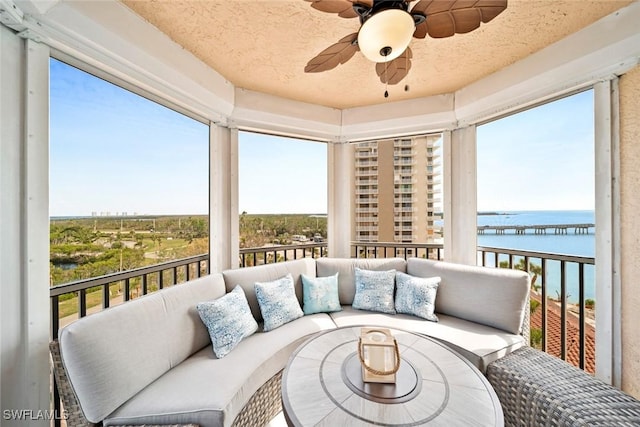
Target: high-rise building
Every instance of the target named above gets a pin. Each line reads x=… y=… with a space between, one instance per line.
x=397 y=190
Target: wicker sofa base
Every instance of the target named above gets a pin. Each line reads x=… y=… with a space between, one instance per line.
x=263 y=406
x=537 y=389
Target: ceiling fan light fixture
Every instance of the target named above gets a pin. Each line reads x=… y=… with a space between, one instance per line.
x=386 y=34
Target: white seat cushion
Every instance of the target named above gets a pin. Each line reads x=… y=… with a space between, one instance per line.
x=211 y=392
x=479 y=344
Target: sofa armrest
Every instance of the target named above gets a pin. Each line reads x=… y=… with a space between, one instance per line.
x=72 y=409
x=536 y=388
x=525 y=331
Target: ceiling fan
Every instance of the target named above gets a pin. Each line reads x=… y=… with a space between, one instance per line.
x=388 y=26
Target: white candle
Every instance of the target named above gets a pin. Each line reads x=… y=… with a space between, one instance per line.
x=376 y=353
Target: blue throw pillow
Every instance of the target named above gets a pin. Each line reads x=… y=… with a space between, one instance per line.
x=228 y=320
x=278 y=302
x=417 y=295
x=320 y=294
x=374 y=290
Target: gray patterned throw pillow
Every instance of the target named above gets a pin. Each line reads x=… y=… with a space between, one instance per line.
x=416 y=295
x=278 y=302
x=228 y=319
x=374 y=290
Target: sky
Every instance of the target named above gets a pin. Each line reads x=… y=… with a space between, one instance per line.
x=539 y=159
x=114 y=151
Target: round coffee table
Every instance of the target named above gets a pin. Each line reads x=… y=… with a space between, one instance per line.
x=322 y=385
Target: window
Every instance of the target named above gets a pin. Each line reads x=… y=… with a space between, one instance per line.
x=128 y=182
x=282 y=191
x=536 y=193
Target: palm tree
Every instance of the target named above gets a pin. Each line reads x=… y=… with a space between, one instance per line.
x=534 y=270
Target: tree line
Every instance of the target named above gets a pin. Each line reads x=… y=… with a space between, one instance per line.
x=82 y=248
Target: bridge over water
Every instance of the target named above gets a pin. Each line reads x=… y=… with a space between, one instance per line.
x=537 y=228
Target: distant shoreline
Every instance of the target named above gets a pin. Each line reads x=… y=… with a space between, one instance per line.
x=319 y=215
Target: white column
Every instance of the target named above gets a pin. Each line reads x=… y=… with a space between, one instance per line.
x=24 y=227
x=340 y=182
x=460 y=195
x=607 y=213
x=223 y=198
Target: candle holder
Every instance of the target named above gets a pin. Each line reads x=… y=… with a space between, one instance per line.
x=379 y=355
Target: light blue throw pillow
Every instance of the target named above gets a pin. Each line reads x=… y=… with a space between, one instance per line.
x=228 y=319
x=320 y=294
x=278 y=302
x=416 y=295
x=374 y=290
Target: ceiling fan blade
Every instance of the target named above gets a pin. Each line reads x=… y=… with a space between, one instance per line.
x=393 y=72
x=344 y=8
x=421 y=30
x=334 y=55
x=446 y=18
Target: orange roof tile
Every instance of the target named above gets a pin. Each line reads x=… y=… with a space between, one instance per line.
x=573 y=334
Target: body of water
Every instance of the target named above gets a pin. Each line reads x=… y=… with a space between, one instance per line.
x=565 y=244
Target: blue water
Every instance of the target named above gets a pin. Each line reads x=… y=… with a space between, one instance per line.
x=566 y=244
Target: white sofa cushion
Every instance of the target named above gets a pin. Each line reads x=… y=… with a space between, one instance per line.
x=479 y=344
x=112 y=355
x=491 y=296
x=247 y=277
x=211 y=392
x=346 y=269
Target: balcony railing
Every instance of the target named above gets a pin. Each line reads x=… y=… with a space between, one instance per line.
x=405 y=190
x=391 y=250
x=76 y=299
x=366 y=228
x=404 y=143
x=399 y=228
x=366 y=163
x=366 y=154
x=360 y=191
x=561 y=327
x=367 y=210
x=405 y=180
x=366 y=171
x=404 y=209
x=271 y=254
x=82 y=297
x=367 y=181
x=404 y=162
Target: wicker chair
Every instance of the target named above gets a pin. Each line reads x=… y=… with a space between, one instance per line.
x=263 y=406
x=537 y=389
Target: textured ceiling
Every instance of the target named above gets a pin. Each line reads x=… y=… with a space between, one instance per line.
x=264 y=45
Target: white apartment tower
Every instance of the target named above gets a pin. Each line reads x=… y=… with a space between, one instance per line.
x=397 y=190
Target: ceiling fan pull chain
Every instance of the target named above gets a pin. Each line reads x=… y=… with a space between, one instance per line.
x=386 y=81
x=406 y=67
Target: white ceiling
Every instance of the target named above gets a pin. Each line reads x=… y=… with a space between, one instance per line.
x=264 y=45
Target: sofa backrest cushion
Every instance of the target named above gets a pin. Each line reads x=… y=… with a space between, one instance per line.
x=346 y=269
x=247 y=277
x=491 y=296
x=110 y=356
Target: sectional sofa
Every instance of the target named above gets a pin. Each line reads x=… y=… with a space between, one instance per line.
x=150 y=361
